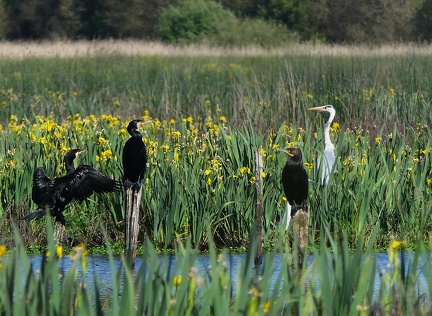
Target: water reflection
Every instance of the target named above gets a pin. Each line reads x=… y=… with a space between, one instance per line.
x=99 y=267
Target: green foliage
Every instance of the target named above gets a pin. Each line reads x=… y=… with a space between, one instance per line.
x=209 y=114
x=92 y=19
x=423 y=21
x=202 y=174
x=205 y=21
x=370 y=21
x=134 y=18
x=334 y=281
x=193 y=21
x=71 y=20
x=292 y=13
x=3 y=20
x=259 y=32
x=369 y=92
x=31 y=19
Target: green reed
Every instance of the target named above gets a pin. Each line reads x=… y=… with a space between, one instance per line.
x=337 y=280
x=203 y=173
x=368 y=91
x=201 y=165
x=199 y=189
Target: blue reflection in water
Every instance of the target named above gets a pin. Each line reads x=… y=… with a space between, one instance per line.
x=99 y=267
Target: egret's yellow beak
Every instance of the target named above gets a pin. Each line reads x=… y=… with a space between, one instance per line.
x=317 y=108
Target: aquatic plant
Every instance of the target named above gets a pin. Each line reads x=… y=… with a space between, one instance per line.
x=333 y=280
x=202 y=172
x=209 y=113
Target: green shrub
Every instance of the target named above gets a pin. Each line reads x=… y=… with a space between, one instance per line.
x=3 y=20
x=423 y=20
x=192 y=21
x=197 y=21
x=259 y=32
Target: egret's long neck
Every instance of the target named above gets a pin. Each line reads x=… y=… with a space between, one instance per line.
x=327 y=139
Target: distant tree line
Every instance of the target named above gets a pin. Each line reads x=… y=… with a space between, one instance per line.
x=222 y=22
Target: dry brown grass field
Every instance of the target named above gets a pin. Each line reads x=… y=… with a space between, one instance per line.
x=134 y=47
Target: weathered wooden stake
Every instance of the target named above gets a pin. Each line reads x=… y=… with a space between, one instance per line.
x=133 y=202
x=59 y=233
x=300 y=232
x=259 y=205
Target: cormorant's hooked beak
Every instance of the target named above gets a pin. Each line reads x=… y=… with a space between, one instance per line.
x=318 y=108
x=141 y=122
x=286 y=151
x=80 y=152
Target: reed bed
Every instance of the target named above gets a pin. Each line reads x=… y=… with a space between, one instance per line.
x=209 y=114
x=332 y=282
x=202 y=173
x=370 y=92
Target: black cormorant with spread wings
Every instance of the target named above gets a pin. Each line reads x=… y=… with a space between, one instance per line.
x=295 y=181
x=78 y=184
x=134 y=157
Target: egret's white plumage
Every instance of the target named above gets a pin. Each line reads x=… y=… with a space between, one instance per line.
x=326 y=161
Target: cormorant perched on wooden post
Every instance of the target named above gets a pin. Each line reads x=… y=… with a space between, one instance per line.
x=76 y=186
x=134 y=157
x=134 y=164
x=295 y=183
x=295 y=180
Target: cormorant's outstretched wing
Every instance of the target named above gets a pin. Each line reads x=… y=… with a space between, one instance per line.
x=41 y=186
x=41 y=191
x=87 y=180
x=39 y=213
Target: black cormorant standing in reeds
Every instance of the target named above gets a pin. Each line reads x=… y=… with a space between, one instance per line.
x=76 y=186
x=295 y=180
x=134 y=157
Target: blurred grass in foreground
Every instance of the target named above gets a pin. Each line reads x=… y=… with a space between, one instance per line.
x=336 y=281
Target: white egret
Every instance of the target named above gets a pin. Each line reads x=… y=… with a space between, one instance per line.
x=328 y=158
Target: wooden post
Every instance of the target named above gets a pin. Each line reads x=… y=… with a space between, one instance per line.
x=59 y=233
x=300 y=223
x=133 y=202
x=259 y=205
x=300 y=231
